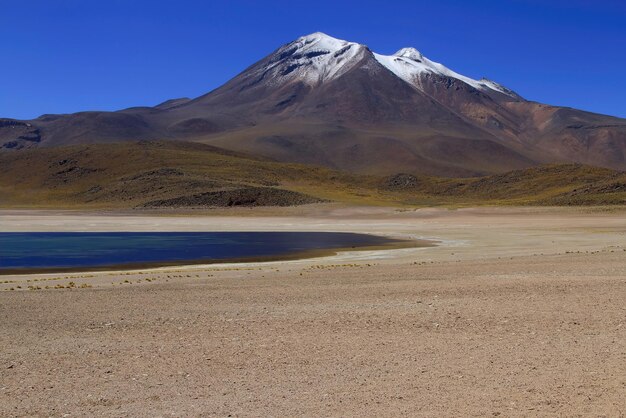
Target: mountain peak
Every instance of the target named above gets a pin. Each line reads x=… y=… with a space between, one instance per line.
x=410 y=53
x=329 y=57
x=410 y=65
x=318 y=58
x=320 y=36
x=320 y=41
x=311 y=59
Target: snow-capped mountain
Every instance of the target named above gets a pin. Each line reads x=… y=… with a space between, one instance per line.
x=313 y=59
x=410 y=65
x=319 y=58
x=326 y=101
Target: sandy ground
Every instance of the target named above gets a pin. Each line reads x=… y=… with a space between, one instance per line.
x=517 y=312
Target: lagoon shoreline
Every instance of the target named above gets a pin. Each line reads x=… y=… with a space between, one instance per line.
x=516 y=311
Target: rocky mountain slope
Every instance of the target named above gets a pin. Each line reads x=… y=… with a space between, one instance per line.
x=324 y=101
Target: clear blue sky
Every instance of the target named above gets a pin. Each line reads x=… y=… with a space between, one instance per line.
x=64 y=56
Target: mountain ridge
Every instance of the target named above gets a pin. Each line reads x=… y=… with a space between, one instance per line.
x=321 y=100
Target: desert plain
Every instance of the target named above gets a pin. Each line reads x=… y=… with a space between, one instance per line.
x=514 y=312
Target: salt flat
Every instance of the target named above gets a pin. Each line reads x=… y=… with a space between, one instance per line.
x=516 y=311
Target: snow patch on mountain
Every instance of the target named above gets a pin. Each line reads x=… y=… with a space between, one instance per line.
x=318 y=58
x=409 y=64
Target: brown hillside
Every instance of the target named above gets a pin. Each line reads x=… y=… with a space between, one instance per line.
x=185 y=174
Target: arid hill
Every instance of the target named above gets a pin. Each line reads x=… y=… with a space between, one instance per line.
x=149 y=174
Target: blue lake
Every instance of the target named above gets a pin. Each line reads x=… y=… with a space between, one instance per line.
x=64 y=251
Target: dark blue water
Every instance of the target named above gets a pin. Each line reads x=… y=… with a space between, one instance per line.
x=76 y=250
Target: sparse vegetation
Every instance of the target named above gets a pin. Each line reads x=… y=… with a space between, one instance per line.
x=165 y=174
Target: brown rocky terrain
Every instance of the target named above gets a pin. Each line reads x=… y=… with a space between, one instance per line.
x=160 y=174
x=248 y=196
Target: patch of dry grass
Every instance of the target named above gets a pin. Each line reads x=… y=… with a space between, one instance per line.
x=128 y=175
